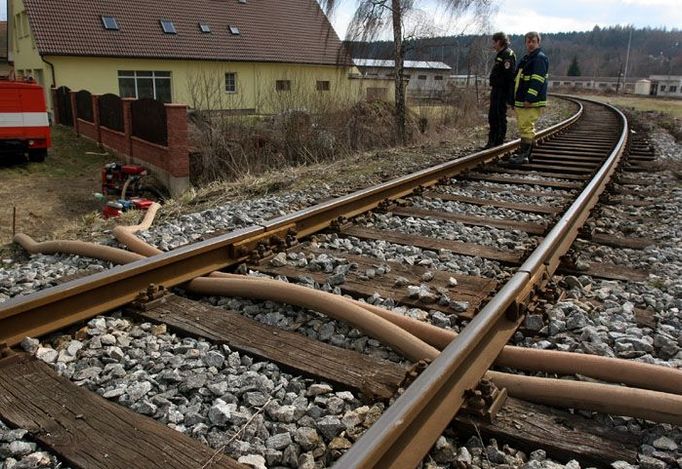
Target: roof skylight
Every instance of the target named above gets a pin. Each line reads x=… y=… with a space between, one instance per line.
x=110 y=23
x=168 y=27
x=234 y=30
x=205 y=28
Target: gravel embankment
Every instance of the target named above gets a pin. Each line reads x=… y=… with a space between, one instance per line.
x=271 y=418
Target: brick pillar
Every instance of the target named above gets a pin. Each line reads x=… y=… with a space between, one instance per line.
x=178 y=140
x=74 y=111
x=55 y=107
x=128 y=126
x=95 y=117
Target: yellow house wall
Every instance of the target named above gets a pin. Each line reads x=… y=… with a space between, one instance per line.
x=199 y=84
x=22 y=48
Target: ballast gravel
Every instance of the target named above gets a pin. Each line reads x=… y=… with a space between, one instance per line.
x=612 y=326
x=17 y=451
x=226 y=399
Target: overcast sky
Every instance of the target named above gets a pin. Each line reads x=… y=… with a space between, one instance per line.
x=520 y=16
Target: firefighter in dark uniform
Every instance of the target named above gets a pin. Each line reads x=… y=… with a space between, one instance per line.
x=502 y=92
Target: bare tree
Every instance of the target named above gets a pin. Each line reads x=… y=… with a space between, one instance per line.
x=373 y=16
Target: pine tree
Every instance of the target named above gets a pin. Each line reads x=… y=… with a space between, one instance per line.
x=574 y=68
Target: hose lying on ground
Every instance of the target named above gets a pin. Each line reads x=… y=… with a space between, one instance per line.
x=631 y=373
x=611 y=399
x=614 y=370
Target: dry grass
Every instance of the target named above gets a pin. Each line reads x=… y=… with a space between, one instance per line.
x=669 y=106
x=354 y=170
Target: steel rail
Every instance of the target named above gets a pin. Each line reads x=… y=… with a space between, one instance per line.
x=404 y=434
x=54 y=308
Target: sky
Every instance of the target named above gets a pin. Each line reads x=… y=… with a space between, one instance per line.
x=521 y=16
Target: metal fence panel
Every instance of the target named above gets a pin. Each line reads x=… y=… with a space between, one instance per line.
x=149 y=121
x=111 y=112
x=84 y=105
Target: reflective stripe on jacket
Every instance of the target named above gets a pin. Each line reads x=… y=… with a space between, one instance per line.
x=531 y=80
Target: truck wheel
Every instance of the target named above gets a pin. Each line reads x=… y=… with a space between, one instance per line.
x=37 y=156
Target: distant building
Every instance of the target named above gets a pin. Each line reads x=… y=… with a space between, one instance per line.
x=643 y=87
x=594 y=83
x=669 y=86
x=424 y=78
x=462 y=81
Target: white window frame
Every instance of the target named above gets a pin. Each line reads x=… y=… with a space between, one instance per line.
x=154 y=77
x=235 y=90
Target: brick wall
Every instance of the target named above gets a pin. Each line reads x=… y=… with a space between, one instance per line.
x=169 y=163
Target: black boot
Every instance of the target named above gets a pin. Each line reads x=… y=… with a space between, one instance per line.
x=523 y=155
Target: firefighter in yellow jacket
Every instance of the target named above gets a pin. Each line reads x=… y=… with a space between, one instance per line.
x=530 y=95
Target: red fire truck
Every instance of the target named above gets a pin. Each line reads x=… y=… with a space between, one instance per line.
x=24 y=126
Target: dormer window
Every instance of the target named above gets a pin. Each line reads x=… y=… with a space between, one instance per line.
x=204 y=27
x=168 y=27
x=110 y=23
x=234 y=30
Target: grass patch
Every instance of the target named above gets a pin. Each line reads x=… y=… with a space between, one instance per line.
x=672 y=107
x=69 y=156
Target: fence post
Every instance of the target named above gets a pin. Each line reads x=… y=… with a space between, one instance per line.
x=178 y=140
x=55 y=106
x=74 y=112
x=95 y=117
x=128 y=126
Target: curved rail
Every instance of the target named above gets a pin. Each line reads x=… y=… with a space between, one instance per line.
x=409 y=428
x=51 y=309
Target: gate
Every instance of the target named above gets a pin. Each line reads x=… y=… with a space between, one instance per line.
x=64 y=106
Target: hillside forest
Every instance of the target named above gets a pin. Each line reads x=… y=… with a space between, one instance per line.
x=600 y=52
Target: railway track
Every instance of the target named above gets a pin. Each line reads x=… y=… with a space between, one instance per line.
x=570 y=170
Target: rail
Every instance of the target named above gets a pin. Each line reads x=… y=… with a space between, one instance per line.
x=409 y=428
x=54 y=308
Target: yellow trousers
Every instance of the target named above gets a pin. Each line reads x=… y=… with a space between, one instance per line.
x=526 y=117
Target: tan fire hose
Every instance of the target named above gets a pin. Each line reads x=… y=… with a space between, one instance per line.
x=659 y=406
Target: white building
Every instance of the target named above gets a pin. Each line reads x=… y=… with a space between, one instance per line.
x=462 y=81
x=593 y=83
x=643 y=87
x=666 y=85
x=423 y=78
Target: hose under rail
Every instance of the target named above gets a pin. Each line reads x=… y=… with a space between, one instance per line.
x=409 y=427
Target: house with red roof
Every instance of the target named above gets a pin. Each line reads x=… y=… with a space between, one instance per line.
x=246 y=55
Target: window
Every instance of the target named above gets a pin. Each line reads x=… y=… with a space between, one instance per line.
x=438 y=77
x=143 y=84
x=231 y=82
x=283 y=85
x=673 y=89
x=421 y=77
x=168 y=27
x=322 y=86
x=110 y=23
x=234 y=30
x=204 y=27
x=662 y=87
x=406 y=77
